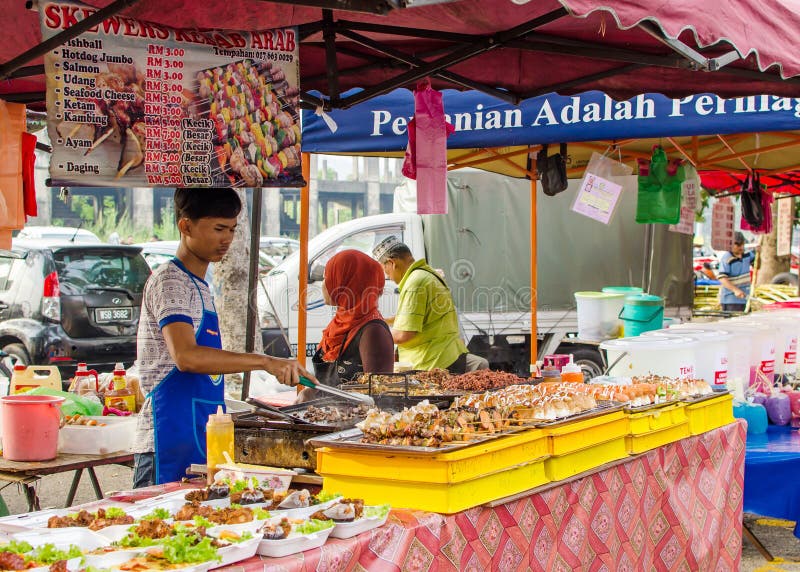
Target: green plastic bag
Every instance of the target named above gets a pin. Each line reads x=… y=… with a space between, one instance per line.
x=73 y=404
x=660 y=183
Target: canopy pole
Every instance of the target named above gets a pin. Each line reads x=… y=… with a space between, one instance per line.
x=534 y=276
x=252 y=283
x=302 y=311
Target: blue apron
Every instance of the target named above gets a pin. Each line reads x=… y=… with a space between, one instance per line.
x=182 y=403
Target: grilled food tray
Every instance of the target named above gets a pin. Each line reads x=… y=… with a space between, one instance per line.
x=351 y=440
x=602 y=408
x=699 y=398
x=640 y=408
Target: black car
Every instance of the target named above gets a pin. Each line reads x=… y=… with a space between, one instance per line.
x=61 y=304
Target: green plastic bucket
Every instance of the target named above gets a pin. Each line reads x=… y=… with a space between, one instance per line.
x=627 y=290
x=642 y=313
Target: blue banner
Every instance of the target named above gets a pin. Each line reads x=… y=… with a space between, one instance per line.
x=483 y=121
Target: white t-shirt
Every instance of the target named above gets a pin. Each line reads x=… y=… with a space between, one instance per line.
x=172 y=294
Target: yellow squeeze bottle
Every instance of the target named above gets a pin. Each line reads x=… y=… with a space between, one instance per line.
x=219 y=440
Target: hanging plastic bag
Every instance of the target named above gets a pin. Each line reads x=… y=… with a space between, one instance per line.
x=552 y=170
x=752 y=205
x=426 y=153
x=601 y=188
x=660 y=185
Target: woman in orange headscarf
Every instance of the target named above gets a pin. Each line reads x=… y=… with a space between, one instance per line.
x=357 y=340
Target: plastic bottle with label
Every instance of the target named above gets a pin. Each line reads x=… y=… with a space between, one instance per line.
x=572 y=372
x=119 y=395
x=83 y=382
x=219 y=440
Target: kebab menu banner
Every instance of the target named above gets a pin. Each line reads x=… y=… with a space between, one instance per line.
x=136 y=104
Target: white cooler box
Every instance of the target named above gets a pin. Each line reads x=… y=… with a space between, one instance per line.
x=116 y=436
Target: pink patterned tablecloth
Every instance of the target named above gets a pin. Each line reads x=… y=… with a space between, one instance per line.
x=678 y=507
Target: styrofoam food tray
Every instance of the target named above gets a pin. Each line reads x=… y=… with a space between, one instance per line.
x=115 y=559
x=293 y=544
x=62 y=538
x=351 y=529
x=238 y=552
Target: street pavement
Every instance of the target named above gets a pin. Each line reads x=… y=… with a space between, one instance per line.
x=775 y=534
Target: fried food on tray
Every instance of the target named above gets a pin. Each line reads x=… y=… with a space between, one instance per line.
x=345 y=510
x=94 y=521
x=228 y=515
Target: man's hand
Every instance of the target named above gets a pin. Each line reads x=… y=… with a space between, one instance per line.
x=739 y=294
x=288 y=371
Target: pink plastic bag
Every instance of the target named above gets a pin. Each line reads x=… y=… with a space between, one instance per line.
x=426 y=154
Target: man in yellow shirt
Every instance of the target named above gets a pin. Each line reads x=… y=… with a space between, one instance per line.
x=425 y=327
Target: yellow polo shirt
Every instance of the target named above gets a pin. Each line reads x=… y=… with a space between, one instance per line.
x=426 y=306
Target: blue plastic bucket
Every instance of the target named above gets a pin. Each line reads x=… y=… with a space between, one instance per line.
x=642 y=313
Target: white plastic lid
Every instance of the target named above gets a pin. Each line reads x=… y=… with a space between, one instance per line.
x=649 y=343
x=702 y=334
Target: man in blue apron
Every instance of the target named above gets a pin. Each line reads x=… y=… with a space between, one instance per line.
x=180 y=355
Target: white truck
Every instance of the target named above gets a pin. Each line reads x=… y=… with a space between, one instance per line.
x=482 y=245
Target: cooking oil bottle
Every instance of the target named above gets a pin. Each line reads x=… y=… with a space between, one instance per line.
x=219 y=440
x=119 y=395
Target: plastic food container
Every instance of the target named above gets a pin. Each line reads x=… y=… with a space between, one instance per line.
x=710 y=414
x=585 y=445
x=116 y=436
x=787 y=325
x=762 y=343
x=657 y=427
x=670 y=356
x=447 y=482
x=712 y=355
x=598 y=314
x=270 y=477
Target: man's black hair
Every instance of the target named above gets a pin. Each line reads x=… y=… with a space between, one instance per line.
x=398 y=252
x=206 y=202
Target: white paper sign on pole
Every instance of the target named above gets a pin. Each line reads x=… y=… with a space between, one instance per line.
x=785 y=223
x=722 y=214
x=689 y=195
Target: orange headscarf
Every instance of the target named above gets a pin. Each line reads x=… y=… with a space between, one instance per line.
x=355 y=282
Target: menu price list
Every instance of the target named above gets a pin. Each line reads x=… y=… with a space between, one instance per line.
x=178 y=146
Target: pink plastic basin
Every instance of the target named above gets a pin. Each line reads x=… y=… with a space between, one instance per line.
x=30 y=427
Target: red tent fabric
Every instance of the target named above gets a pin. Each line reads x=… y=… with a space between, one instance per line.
x=595 y=46
x=721 y=182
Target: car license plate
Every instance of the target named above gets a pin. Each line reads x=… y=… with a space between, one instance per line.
x=105 y=315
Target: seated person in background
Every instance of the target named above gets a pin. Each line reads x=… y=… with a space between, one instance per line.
x=357 y=340
x=425 y=327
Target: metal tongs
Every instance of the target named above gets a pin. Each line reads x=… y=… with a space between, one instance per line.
x=270 y=412
x=356 y=397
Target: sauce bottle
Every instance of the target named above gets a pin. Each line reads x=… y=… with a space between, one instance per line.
x=550 y=374
x=119 y=395
x=219 y=440
x=572 y=372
